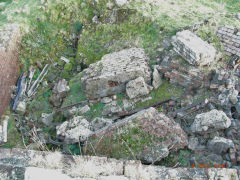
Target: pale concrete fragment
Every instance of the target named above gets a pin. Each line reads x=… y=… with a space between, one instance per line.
x=193 y=49
x=210 y=121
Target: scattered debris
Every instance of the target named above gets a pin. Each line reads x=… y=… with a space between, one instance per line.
x=35 y=85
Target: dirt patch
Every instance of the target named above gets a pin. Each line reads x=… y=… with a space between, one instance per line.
x=9 y=69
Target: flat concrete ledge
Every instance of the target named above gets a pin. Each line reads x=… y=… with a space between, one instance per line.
x=29 y=163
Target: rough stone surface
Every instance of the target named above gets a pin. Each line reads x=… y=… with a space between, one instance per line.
x=154 y=154
x=157 y=80
x=164 y=129
x=193 y=49
x=179 y=71
x=84 y=109
x=121 y=2
x=111 y=109
x=76 y=129
x=99 y=123
x=220 y=144
x=110 y=75
x=230 y=37
x=19 y=163
x=61 y=87
x=210 y=121
x=137 y=88
x=21 y=107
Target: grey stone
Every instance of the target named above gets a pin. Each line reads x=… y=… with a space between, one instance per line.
x=76 y=129
x=193 y=49
x=121 y=2
x=21 y=107
x=219 y=145
x=109 y=75
x=61 y=87
x=99 y=123
x=210 y=121
x=194 y=144
x=157 y=80
x=106 y=100
x=137 y=88
x=233 y=96
x=154 y=154
x=47 y=118
x=84 y=109
x=111 y=108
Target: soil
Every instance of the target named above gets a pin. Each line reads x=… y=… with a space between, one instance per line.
x=9 y=70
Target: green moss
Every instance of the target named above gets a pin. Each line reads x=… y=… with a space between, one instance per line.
x=164 y=92
x=76 y=93
x=182 y=157
x=95 y=111
x=125 y=142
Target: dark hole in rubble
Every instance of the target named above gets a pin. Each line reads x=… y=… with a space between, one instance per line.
x=113 y=83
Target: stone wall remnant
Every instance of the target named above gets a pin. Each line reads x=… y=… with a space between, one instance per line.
x=230 y=37
x=110 y=75
x=193 y=49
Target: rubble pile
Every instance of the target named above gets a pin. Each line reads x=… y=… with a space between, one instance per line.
x=230 y=37
x=178 y=71
x=110 y=75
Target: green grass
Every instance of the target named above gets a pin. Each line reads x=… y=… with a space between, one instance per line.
x=164 y=92
x=14 y=139
x=126 y=143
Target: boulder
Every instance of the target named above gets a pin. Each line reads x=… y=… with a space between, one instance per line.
x=220 y=144
x=157 y=80
x=210 y=121
x=109 y=75
x=193 y=49
x=76 y=129
x=137 y=88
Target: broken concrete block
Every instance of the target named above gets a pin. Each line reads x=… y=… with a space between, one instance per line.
x=210 y=121
x=157 y=80
x=137 y=88
x=76 y=129
x=193 y=49
x=110 y=75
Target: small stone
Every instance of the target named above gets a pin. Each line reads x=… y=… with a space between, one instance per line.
x=154 y=154
x=84 y=109
x=157 y=81
x=99 y=123
x=111 y=108
x=121 y=2
x=137 y=88
x=47 y=118
x=219 y=145
x=61 y=87
x=21 y=107
x=106 y=100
